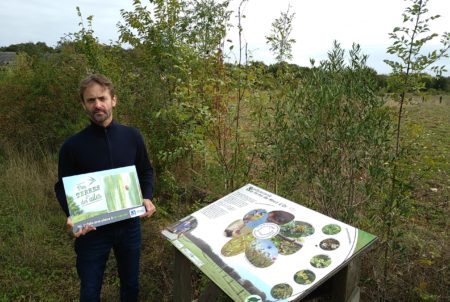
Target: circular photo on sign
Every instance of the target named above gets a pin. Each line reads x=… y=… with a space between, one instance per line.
x=255 y=217
x=281 y=291
x=264 y=235
x=331 y=229
x=287 y=246
x=320 y=261
x=280 y=217
x=297 y=229
x=185 y=225
x=261 y=253
x=237 y=245
x=236 y=229
x=304 y=277
x=253 y=298
x=329 y=244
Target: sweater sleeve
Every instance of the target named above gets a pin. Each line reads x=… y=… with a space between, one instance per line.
x=65 y=168
x=144 y=168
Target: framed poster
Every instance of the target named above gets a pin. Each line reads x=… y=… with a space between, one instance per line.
x=103 y=197
x=257 y=246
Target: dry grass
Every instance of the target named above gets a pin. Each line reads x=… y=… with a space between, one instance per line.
x=38 y=262
x=36 y=252
x=419 y=265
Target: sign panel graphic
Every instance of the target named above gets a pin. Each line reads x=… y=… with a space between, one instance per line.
x=103 y=197
x=256 y=245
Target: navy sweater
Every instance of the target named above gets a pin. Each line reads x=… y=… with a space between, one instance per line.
x=96 y=148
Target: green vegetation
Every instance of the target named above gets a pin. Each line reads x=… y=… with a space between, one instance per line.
x=237 y=245
x=286 y=246
x=331 y=229
x=120 y=195
x=329 y=244
x=281 y=291
x=324 y=136
x=320 y=261
x=297 y=229
x=88 y=215
x=304 y=277
x=259 y=255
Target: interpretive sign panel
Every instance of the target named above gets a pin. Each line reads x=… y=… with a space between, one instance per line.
x=257 y=246
x=103 y=197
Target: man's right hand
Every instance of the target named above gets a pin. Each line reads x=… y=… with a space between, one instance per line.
x=83 y=231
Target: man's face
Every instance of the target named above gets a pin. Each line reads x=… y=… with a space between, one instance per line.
x=98 y=104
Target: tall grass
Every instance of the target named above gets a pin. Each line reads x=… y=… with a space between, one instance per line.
x=37 y=260
x=419 y=267
x=35 y=251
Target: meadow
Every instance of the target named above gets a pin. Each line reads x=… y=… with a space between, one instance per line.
x=36 y=250
x=327 y=136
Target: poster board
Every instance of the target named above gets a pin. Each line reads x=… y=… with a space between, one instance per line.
x=257 y=246
x=103 y=197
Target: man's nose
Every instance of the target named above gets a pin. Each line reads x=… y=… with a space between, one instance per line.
x=97 y=103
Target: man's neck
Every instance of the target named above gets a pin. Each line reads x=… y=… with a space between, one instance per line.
x=104 y=124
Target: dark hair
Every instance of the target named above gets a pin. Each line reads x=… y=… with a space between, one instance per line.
x=99 y=79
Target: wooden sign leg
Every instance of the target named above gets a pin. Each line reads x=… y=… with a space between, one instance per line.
x=211 y=293
x=345 y=283
x=182 y=284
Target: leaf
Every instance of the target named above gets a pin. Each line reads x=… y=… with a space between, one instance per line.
x=426 y=262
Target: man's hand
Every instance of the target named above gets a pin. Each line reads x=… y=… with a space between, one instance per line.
x=83 y=231
x=150 y=208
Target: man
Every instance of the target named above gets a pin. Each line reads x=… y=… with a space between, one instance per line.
x=105 y=144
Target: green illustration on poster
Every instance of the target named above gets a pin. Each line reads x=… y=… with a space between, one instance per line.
x=255 y=244
x=103 y=197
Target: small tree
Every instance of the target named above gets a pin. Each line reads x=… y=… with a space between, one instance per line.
x=409 y=41
x=273 y=132
x=279 y=39
x=85 y=43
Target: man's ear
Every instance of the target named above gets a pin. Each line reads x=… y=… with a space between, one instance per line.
x=82 y=104
x=114 y=101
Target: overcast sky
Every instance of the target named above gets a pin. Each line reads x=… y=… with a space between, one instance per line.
x=317 y=23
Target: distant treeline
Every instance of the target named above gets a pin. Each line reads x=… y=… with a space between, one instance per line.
x=431 y=83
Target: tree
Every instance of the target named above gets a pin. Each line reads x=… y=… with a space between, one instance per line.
x=73 y=207
x=85 y=43
x=280 y=43
x=409 y=41
x=31 y=49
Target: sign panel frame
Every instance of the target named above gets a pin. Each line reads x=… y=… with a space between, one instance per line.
x=258 y=246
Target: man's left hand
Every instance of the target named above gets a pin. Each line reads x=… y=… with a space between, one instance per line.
x=150 y=208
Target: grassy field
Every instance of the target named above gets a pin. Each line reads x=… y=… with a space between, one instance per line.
x=426 y=228
x=37 y=261
x=419 y=267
